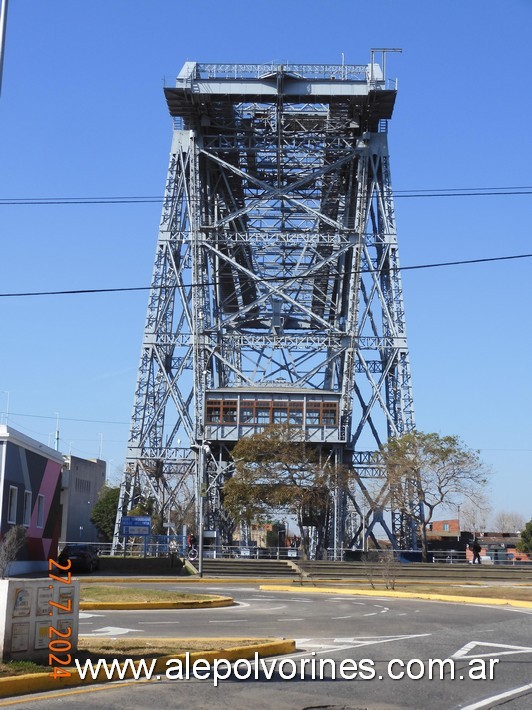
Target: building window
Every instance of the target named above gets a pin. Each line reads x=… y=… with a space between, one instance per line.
x=213 y=415
x=446 y=527
x=296 y=413
x=313 y=416
x=26 y=516
x=330 y=414
x=262 y=416
x=229 y=411
x=247 y=415
x=12 y=505
x=40 y=511
x=280 y=413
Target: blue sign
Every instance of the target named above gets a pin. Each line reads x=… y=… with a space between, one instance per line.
x=134 y=525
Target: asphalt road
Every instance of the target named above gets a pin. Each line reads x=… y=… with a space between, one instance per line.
x=385 y=634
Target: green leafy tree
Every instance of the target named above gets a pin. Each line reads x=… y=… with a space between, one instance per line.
x=278 y=472
x=104 y=512
x=525 y=543
x=426 y=471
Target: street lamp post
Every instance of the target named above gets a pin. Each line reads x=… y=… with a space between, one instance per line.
x=3 y=22
x=201 y=512
x=202 y=448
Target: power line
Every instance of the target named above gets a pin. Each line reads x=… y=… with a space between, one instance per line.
x=78 y=200
x=143 y=199
x=66 y=419
x=127 y=289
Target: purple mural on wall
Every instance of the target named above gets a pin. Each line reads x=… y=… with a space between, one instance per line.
x=36 y=474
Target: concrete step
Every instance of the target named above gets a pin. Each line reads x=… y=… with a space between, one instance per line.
x=248 y=568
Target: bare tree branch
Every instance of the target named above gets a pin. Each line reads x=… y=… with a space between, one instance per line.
x=426 y=471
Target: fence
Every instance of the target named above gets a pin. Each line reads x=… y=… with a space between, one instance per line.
x=163 y=545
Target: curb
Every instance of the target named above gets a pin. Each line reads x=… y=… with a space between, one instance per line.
x=398 y=595
x=41 y=682
x=214 y=603
x=187 y=580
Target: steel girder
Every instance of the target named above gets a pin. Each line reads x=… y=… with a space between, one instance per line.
x=276 y=263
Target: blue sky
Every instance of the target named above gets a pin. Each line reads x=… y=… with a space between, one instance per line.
x=82 y=114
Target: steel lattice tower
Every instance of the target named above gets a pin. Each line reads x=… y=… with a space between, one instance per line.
x=276 y=293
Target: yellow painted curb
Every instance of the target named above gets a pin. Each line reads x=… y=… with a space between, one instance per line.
x=40 y=682
x=398 y=595
x=187 y=580
x=215 y=603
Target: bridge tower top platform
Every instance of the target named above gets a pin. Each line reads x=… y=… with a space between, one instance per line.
x=205 y=90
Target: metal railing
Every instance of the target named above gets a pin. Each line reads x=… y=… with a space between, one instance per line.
x=163 y=545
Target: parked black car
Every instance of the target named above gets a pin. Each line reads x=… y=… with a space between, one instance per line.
x=84 y=557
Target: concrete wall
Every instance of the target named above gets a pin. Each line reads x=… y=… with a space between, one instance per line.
x=82 y=480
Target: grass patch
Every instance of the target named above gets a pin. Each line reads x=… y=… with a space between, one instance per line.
x=152 y=648
x=14 y=668
x=129 y=593
x=109 y=649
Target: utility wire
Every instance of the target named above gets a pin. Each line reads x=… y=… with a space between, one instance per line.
x=65 y=419
x=126 y=289
x=435 y=192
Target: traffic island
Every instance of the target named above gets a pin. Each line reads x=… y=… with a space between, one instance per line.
x=103 y=597
x=186 y=657
x=352 y=591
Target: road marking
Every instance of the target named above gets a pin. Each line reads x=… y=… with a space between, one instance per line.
x=111 y=631
x=520 y=611
x=238 y=606
x=345 y=598
x=301 y=601
x=371 y=640
x=290 y=619
x=228 y=621
x=341 y=617
x=373 y=613
x=345 y=644
x=86 y=615
x=267 y=608
x=489 y=702
x=464 y=652
x=261 y=599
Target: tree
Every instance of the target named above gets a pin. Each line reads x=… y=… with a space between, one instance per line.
x=277 y=471
x=475 y=513
x=508 y=522
x=525 y=543
x=104 y=512
x=12 y=542
x=426 y=471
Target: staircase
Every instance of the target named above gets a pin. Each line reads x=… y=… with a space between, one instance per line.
x=249 y=568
